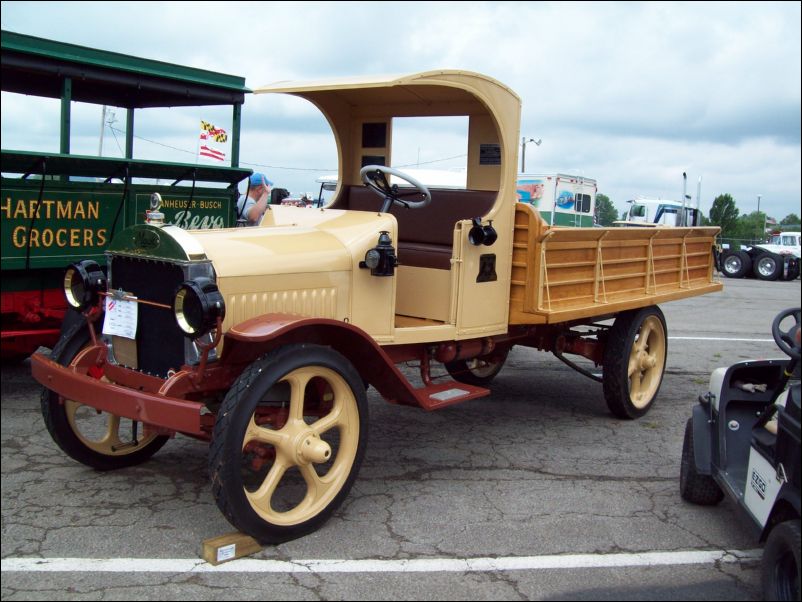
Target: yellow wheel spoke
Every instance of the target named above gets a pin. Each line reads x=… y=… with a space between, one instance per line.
x=330 y=420
x=263 y=435
x=298 y=381
x=262 y=497
x=317 y=488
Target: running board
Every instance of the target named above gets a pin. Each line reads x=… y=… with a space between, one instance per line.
x=442 y=394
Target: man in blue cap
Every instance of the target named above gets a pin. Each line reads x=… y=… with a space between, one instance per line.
x=252 y=207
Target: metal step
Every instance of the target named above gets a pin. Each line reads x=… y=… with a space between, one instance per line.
x=446 y=393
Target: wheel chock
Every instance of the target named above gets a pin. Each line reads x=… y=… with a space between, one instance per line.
x=228 y=547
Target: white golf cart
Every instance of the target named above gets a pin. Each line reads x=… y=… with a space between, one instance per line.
x=743 y=440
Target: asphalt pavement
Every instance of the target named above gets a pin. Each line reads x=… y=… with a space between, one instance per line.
x=536 y=492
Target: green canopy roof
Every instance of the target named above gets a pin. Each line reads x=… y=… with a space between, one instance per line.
x=38 y=66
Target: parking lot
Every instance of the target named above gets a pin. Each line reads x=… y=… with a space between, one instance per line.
x=535 y=492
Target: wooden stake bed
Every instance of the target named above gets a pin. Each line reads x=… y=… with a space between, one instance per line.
x=562 y=274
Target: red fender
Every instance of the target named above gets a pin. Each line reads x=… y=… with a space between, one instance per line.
x=251 y=339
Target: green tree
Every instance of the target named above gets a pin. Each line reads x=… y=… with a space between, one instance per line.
x=750 y=227
x=606 y=213
x=790 y=220
x=724 y=214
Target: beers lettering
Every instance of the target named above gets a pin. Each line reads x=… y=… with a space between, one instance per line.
x=187 y=221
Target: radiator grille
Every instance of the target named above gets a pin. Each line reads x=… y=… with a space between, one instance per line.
x=159 y=342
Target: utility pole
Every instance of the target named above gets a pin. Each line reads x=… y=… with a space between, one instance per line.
x=760 y=234
x=102 y=129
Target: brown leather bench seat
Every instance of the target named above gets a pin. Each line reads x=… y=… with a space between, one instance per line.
x=425 y=236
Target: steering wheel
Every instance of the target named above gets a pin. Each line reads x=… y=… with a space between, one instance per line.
x=376 y=177
x=788 y=340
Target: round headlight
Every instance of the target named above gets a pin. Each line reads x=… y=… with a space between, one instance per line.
x=197 y=305
x=83 y=283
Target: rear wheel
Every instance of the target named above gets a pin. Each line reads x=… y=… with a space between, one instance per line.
x=793 y=271
x=634 y=361
x=479 y=371
x=736 y=264
x=780 y=566
x=694 y=487
x=98 y=439
x=288 y=442
x=768 y=266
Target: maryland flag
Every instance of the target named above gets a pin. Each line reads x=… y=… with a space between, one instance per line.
x=213 y=142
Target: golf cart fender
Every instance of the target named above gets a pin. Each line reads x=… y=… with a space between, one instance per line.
x=701 y=439
x=786 y=507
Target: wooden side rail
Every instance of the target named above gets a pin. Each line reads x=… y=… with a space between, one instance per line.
x=578 y=272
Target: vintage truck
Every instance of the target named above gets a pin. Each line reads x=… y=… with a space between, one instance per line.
x=263 y=340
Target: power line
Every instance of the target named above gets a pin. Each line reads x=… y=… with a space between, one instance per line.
x=250 y=163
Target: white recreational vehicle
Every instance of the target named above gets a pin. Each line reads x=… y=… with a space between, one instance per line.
x=561 y=199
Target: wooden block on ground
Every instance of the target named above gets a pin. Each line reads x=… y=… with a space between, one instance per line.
x=228 y=547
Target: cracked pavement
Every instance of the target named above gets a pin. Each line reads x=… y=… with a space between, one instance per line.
x=538 y=468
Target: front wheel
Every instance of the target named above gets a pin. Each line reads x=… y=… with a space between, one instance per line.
x=694 y=487
x=94 y=438
x=634 y=361
x=780 y=570
x=288 y=443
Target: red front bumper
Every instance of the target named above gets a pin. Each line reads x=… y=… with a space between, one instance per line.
x=153 y=408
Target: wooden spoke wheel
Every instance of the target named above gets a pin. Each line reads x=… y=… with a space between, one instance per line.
x=98 y=439
x=634 y=361
x=288 y=442
x=478 y=371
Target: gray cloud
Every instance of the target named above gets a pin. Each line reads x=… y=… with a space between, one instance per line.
x=631 y=94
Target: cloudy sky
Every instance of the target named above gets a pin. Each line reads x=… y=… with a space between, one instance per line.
x=630 y=94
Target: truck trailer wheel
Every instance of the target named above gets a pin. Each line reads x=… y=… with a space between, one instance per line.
x=736 y=264
x=780 y=570
x=288 y=442
x=694 y=487
x=634 y=361
x=768 y=266
x=97 y=439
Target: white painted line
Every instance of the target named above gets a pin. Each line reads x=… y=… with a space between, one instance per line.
x=719 y=339
x=418 y=565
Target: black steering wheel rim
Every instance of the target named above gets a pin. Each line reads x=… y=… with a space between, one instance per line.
x=787 y=340
x=375 y=177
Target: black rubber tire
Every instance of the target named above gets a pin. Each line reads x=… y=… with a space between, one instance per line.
x=767 y=266
x=735 y=264
x=694 y=487
x=58 y=425
x=780 y=572
x=793 y=271
x=227 y=458
x=617 y=351
x=465 y=371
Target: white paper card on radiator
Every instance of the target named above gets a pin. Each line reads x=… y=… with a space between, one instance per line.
x=121 y=317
